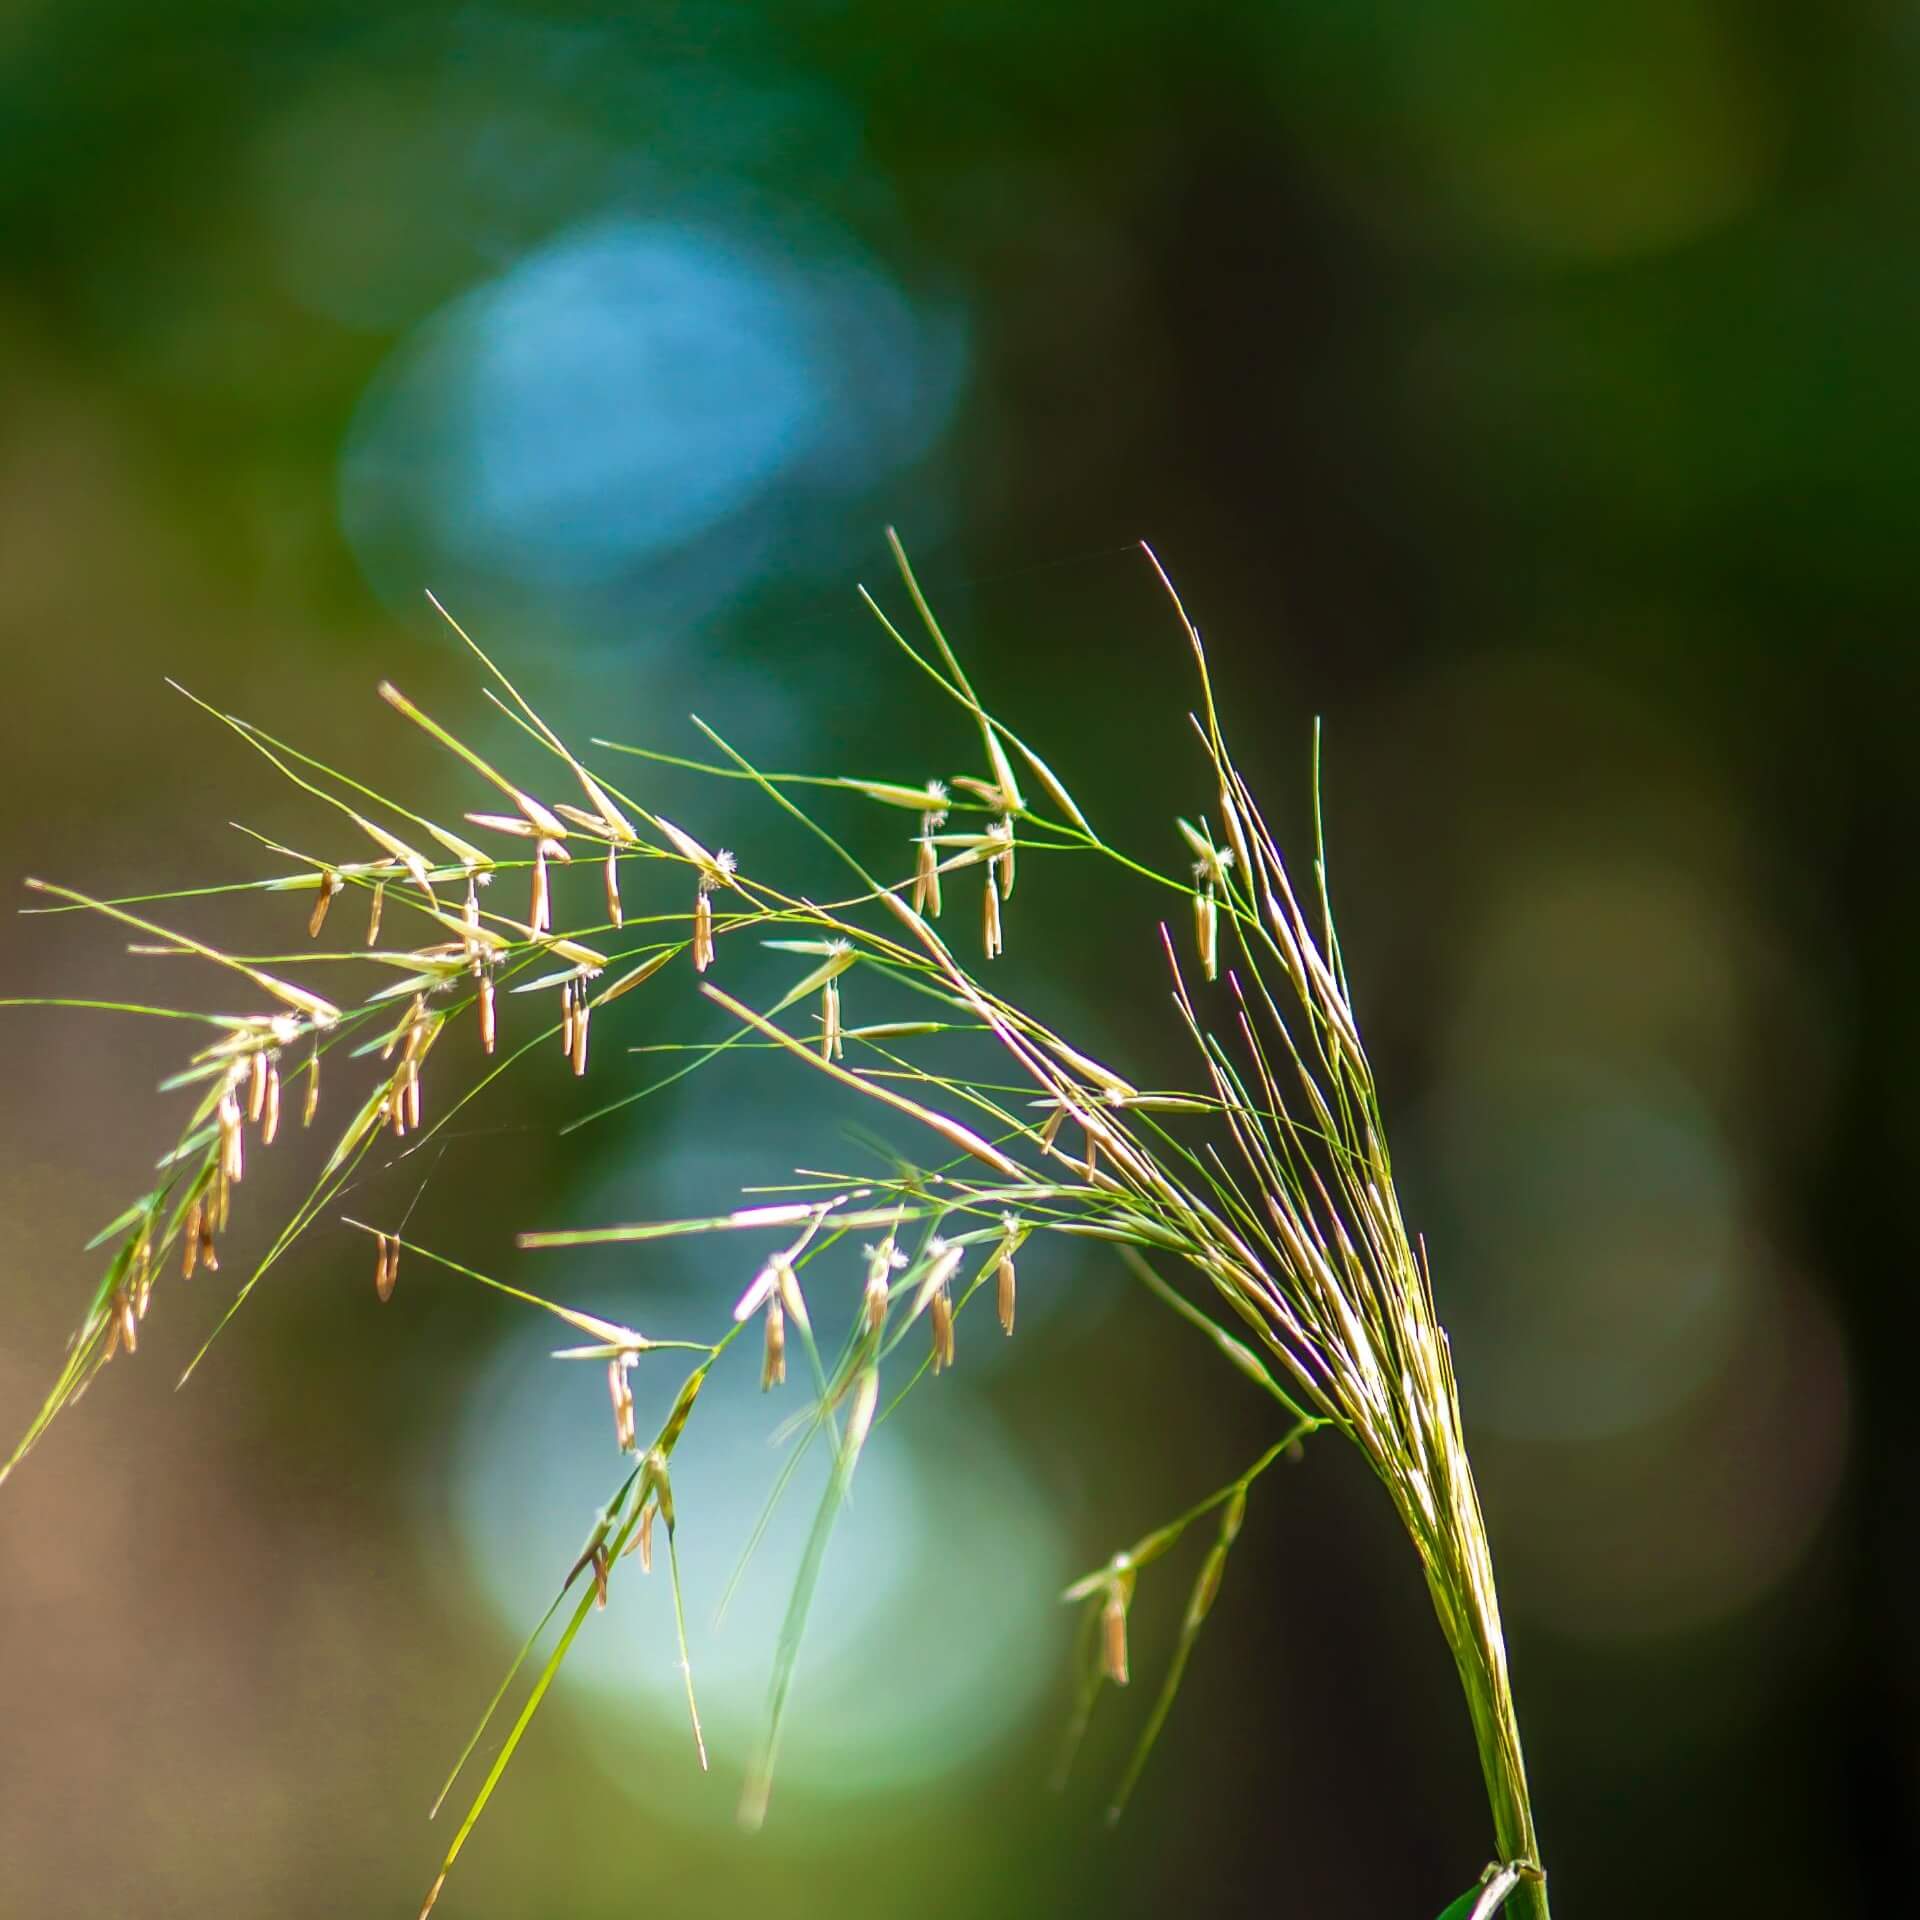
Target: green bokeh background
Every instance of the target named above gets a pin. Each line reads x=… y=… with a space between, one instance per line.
x=1531 y=393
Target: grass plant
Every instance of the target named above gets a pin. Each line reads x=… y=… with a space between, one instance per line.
x=1256 y=1202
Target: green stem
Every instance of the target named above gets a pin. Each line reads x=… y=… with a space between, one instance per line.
x=1469 y=1615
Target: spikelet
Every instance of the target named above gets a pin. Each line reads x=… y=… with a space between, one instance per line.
x=256 y=1087
x=926 y=869
x=386 y=1265
x=313 y=1087
x=1005 y=1291
x=1206 y=930
x=882 y=1263
x=486 y=1010
x=330 y=884
x=270 y=1122
x=581 y=1014
x=190 y=1240
x=1002 y=829
x=990 y=934
x=773 y=1369
x=1113 y=1637
x=373 y=912
x=232 y=1155
x=702 y=930
x=830 y=1044
x=940 y=1316
x=614 y=915
x=620 y=1390
x=566 y=1019
x=540 y=912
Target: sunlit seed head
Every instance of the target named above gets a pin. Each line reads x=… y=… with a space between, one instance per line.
x=313 y=1087
x=566 y=1019
x=256 y=1087
x=1005 y=1293
x=373 y=912
x=485 y=1001
x=270 y=1122
x=190 y=1240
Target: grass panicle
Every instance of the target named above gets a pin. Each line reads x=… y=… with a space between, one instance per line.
x=1256 y=1203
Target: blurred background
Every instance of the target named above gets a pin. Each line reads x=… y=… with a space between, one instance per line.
x=1530 y=392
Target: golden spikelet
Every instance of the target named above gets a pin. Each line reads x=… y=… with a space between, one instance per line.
x=830 y=1044
x=773 y=1369
x=539 y=913
x=330 y=884
x=940 y=1315
x=1113 y=1638
x=620 y=1391
x=614 y=915
x=702 y=931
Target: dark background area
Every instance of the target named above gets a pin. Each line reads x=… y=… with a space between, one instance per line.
x=1530 y=393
